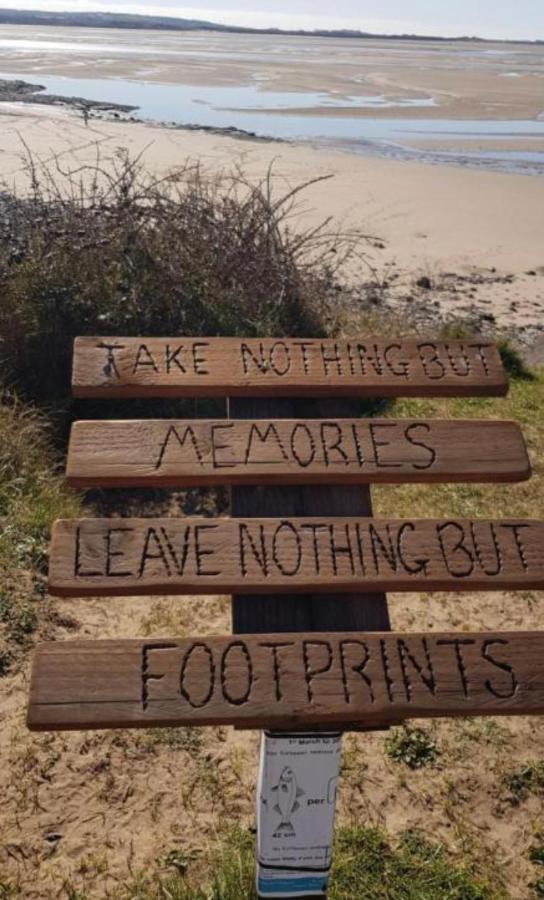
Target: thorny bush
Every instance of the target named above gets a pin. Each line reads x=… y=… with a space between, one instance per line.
x=111 y=250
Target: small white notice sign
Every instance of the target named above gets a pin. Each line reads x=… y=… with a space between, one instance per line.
x=296 y=798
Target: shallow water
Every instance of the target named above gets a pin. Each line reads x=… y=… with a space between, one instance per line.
x=278 y=114
x=217 y=106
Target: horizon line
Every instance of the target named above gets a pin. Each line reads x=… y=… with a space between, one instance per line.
x=210 y=25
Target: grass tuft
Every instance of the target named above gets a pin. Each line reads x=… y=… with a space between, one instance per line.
x=513 y=362
x=412 y=746
x=189 y=739
x=367 y=863
x=31 y=496
x=525 y=780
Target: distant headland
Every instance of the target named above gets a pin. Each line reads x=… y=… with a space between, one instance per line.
x=170 y=23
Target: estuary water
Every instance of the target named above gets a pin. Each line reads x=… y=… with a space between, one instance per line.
x=280 y=88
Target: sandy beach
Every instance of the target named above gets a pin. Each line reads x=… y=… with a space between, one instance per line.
x=105 y=814
x=476 y=235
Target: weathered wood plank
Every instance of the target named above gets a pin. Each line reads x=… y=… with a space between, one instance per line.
x=263 y=614
x=109 y=557
x=178 y=453
x=180 y=367
x=285 y=680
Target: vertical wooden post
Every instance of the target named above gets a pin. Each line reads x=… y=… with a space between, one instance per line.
x=305 y=613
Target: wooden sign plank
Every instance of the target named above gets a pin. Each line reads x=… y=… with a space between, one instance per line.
x=182 y=366
x=285 y=680
x=109 y=557
x=178 y=453
x=272 y=614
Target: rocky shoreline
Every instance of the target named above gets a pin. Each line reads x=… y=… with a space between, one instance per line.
x=240 y=134
x=17 y=91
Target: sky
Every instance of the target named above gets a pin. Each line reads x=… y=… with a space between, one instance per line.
x=485 y=18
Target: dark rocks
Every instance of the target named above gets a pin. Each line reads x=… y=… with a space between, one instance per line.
x=52 y=837
x=23 y=92
x=424 y=282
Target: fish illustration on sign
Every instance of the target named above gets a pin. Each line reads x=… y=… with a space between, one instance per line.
x=286 y=793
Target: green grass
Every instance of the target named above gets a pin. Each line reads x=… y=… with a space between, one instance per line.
x=536 y=855
x=525 y=780
x=525 y=405
x=189 y=739
x=368 y=864
x=32 y=495
x=412 y=746
x=8 y=890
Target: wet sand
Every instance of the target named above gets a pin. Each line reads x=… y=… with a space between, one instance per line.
x=465 y=79
x=476 y=234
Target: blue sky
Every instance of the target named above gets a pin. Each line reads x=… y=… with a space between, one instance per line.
x=487 y=18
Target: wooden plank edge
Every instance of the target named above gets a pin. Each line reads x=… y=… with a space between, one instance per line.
x=318 y=679
x=82 y=482
x=520 y=564
x=497 y=388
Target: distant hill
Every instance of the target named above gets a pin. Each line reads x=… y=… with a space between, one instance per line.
x=169 y=23
x=104 y=20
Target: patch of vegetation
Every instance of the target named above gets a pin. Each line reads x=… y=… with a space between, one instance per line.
x=413 y=746
x=19 y=619
x=176 y=859
x=31 y=496
x=536 y=855
x=525 y=780
x=119 y=252
x=524 y=404
x=367 y=863
x=512 y=361
x=481 y=730
x=189 y=739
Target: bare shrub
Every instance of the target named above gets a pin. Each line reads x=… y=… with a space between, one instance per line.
x=113 y=250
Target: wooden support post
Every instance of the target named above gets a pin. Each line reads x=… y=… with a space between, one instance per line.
x=309 y=613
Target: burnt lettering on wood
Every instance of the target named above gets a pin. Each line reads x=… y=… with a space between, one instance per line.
x=156 y=452
x=95 y=556
x=287 y=678
x=232 y=366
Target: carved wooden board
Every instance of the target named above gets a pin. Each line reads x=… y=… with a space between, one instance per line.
x=176 y=453
x=285 y=680
x=179 y=367
x=92 y=557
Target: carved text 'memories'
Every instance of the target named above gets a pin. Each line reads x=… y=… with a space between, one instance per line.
x=186 y=452
x=301 y=444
